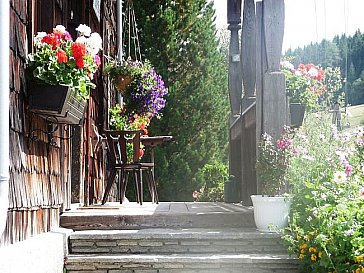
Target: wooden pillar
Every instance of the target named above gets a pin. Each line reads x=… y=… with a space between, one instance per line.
x=235 y=80
x=271 y=107
x=248 y=49
x=274 y=93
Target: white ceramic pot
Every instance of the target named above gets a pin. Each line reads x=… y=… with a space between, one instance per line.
x=270 y=213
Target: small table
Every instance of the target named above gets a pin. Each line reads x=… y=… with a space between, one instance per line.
x=152 y=141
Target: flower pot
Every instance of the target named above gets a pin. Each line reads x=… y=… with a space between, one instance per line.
x=56 y=103
x=270 y=213
x=297 y=113
x=121 y=82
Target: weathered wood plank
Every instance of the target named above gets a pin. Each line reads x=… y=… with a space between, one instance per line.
x=248 y=48
x=274 y=104
x=259 y=76
x=273 y=11
x=235 y=78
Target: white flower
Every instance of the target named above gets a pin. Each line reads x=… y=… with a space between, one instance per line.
x=313 y=72
x=287 y=64
x=340 y=176
x=94 y=43
x=84 y=30
x=38 y=38
x=322 y=137
x=61 y=28
x=81 y=40
x=298 y=73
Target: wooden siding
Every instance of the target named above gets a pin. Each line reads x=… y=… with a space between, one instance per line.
x=36 y=175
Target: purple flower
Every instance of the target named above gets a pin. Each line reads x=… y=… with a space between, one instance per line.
x=348 y=170
x=349 y=232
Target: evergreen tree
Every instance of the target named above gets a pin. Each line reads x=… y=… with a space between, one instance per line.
x=179 y=38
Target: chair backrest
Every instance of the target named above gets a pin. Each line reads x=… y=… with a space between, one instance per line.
x=117 y=144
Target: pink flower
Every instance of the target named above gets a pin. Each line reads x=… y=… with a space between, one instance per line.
x=348 y=170
x=97 y=60
x=284 y=143
x=66 y=36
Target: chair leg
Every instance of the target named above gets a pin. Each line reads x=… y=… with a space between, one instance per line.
x=125 y=176
x=136 y=184
x=110 y=181
x=140 y=180
x=153 y=185
x=150 y=186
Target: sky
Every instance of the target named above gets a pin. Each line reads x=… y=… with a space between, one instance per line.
x=309 y=21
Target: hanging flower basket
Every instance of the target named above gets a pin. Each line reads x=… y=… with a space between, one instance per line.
x=57 y=103
x=122 y=82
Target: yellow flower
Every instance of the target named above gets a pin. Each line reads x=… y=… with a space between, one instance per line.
x=320 y=254
x=358 y=259
x=307 y=237
x=303 y=246
x=313 y=257
x=312 y=249
x=301 y=256
x=303 y=250
x=358 y=270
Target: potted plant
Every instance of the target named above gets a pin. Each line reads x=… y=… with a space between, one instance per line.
x=271 y=208
x=304 y=87
x=60 y=73
x=143 y=95
x=142 y=88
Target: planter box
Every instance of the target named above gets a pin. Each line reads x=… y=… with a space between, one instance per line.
x=56 y=103
x=297 y=113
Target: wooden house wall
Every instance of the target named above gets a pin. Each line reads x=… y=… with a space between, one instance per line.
x=36 y=186
x=40 y=168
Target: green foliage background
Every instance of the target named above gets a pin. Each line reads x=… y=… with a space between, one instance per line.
x=179 y=38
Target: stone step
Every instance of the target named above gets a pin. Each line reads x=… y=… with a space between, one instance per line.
x=181 y=263
x=167 y=241
x=162 y=215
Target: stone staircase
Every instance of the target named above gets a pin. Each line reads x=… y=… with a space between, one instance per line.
x=176 y=249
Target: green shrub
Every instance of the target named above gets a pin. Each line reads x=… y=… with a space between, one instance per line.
x=211 y=178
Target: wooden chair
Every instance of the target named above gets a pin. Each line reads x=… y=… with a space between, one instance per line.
x=118 y=163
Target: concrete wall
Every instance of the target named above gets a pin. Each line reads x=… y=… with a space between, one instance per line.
x=43 y=253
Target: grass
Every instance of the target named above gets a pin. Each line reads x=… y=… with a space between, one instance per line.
x=354 y=116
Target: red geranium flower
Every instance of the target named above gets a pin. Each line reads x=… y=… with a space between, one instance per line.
x=61 y=56
x=52 y=39
x=78 y=50
x=80 y=63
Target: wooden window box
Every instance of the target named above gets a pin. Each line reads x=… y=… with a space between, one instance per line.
x=56 y=103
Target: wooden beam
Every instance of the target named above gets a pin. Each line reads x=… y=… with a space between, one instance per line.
x=274 y=104
x=235 y=79
x=248 y=48
x=273 y=11
x=259 y=77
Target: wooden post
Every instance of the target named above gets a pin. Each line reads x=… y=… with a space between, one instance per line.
x=259 y=77
x=274 y=92
x=248 y=49
x=273 y=11
x=235 y=86
x=271 y=95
